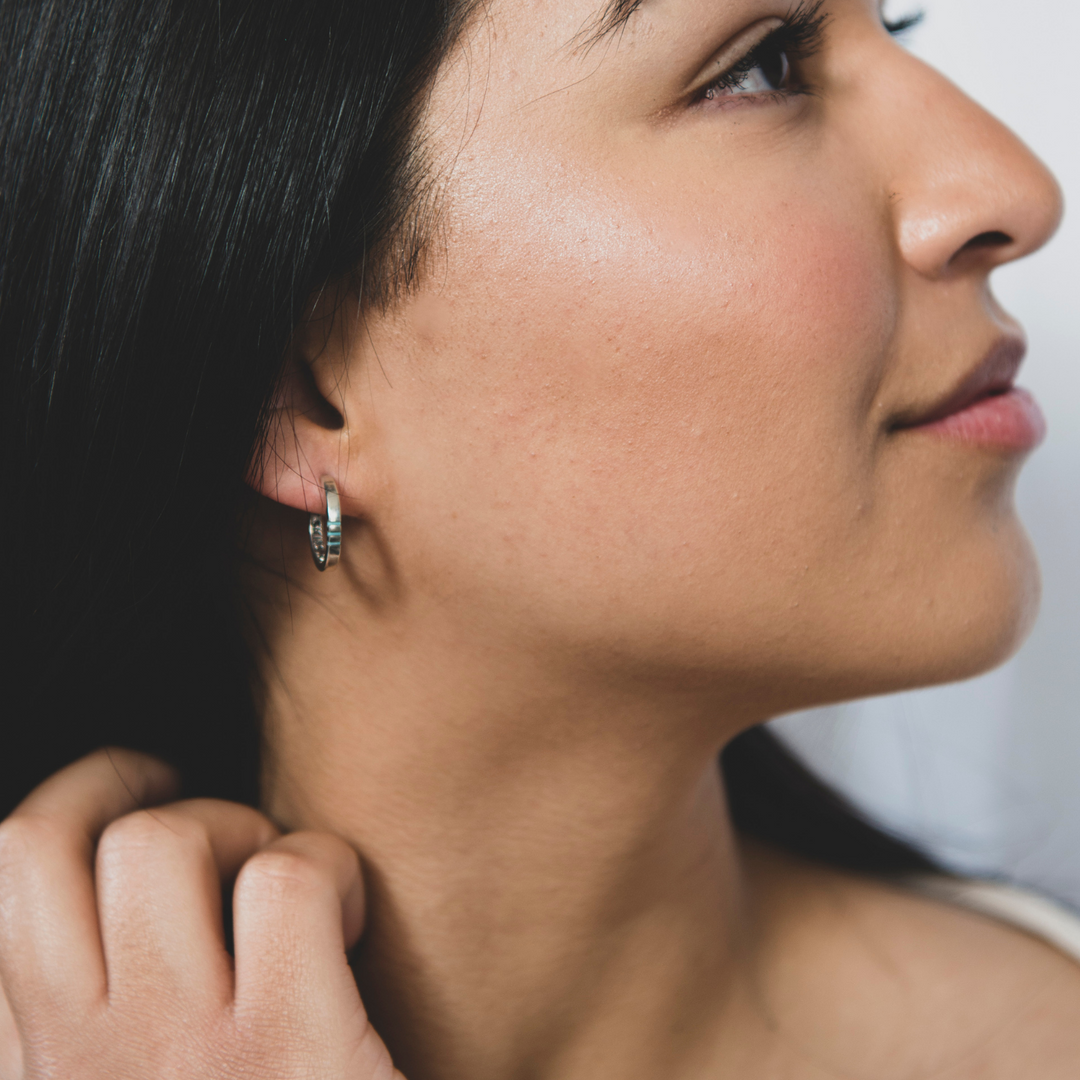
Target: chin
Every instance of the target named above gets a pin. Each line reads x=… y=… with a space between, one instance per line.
x=951 y=622
x=979 y=617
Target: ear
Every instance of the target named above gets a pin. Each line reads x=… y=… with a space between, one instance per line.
x=307 y=435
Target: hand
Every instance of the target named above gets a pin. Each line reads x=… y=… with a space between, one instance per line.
x=112 y=949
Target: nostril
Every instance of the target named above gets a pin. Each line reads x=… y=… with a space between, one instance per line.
x=986 y=240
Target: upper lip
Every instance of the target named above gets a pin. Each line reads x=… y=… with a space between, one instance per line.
x=995 y=374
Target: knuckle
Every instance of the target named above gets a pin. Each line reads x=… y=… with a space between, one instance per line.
x=180 y=827
x=282 y=873
x=329 y=846
x=337 y=859
x=133 y=835
x=133 y=831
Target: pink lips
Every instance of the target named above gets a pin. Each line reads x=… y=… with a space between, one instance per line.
x=986 y=409
x=1008 y=421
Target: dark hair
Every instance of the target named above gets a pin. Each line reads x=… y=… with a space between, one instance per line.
x=177 y=180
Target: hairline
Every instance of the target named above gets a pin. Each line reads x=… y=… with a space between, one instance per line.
x=613 y=18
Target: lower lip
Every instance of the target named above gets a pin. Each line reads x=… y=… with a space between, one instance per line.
x=1011 y=421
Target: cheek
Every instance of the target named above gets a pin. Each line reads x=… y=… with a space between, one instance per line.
x=668 y=395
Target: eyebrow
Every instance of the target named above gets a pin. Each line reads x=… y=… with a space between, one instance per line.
x=616 y=15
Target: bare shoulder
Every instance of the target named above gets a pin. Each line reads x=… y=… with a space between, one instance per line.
x=917 y=987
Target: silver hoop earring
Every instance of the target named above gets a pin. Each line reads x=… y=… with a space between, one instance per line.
x=325 y=532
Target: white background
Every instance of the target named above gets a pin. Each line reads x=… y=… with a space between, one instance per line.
x=987 y=773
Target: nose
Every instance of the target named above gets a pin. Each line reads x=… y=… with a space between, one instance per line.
x=968 y=195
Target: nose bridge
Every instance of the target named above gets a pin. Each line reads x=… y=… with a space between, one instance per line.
x=959 y=180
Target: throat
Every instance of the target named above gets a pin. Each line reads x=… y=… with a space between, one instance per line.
x=560 y=921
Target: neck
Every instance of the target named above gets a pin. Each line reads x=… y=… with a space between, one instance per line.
x=554 y=887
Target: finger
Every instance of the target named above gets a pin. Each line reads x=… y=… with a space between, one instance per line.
x=160 y=875
x=101 y=787
x=50 y=948
x=297 y=907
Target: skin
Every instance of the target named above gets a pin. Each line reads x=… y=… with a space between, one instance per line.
x=620 y=479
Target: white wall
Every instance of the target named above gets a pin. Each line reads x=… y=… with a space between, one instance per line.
x=987 y=773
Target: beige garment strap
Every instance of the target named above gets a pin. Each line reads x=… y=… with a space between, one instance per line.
x=1036 y=914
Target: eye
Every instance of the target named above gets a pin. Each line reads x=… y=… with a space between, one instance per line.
x=770 y=73
x=775 y=63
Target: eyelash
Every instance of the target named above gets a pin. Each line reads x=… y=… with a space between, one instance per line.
x=908 y=22
x=799 y=38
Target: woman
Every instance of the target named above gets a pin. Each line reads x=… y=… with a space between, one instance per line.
x=649 y=353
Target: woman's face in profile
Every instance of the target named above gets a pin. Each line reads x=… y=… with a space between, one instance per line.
x=699 y=287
